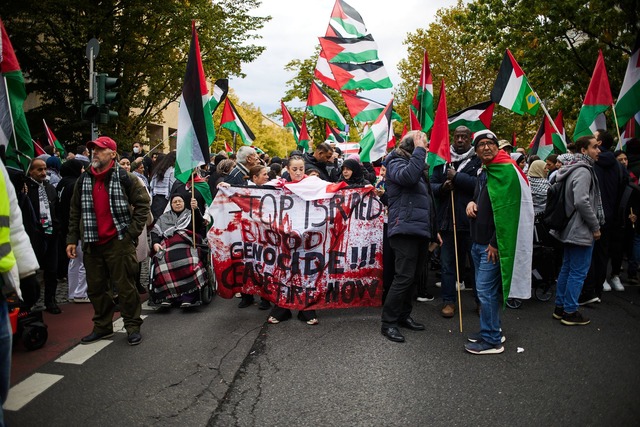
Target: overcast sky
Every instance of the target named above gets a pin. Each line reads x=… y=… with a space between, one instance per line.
x=293 y=33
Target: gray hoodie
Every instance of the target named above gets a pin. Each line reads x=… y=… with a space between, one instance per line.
x=581 y=195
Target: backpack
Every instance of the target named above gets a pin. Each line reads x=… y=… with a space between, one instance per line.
x=554 y=216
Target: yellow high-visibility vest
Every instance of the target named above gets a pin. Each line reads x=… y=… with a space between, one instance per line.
x=7 y=258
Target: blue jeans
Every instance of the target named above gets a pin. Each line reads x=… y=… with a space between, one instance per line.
x=448 y=262
x=575 y=266
x=489 y=290
x=6 y=336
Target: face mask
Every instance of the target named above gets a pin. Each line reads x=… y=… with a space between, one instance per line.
x=136 y=150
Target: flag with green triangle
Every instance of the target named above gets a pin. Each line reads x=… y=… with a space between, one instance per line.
x=422 y=103
x=512 y=89
x=597 y=100
x=629 y=98
x=439 y=148
x=53 y=141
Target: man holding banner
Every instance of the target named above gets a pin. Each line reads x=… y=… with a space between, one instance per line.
x=411 y=228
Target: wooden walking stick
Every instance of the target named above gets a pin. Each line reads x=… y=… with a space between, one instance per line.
x=455 y=248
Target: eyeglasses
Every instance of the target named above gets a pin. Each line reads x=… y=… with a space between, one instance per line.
x=483 y=144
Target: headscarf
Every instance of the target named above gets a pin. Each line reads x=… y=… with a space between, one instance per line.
x=72 y=168
x=357 y=173
x=537 y=169
x=170 y=221
x=54 y=163
x=517 y=157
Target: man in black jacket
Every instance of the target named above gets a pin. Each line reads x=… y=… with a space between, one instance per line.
x=319 y=159
x=459 y=179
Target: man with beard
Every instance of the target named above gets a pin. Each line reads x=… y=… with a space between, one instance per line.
x=458 y=178
x=101 y=218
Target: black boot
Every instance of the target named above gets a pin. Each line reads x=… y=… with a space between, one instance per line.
x=52 y=306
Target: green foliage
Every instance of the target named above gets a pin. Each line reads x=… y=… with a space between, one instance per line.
x=145 y=43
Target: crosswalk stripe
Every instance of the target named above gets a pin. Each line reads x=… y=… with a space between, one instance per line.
x=82 y=352
x=27 y=390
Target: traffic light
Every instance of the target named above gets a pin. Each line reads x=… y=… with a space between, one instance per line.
x=107 y=96
x=89 y=111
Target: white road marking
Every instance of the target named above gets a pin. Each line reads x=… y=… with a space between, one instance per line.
x=27 y=390
x=82 y=352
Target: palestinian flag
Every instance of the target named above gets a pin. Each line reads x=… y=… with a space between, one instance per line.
x=323 y=72
x=422 y=104
x=332 y=134
x=512 y=90
x=338 y=49
x=375 y=142
x=345 y=22
x=512 y=205
x=559 y=139
x=477 y=117
x=597 y=100
x=404 y=131
x=287 y=121
x=370 y=75
x=629 y=99
x=220 y=90
x=439 y=148
x=231 y=120
x=364 y=109
x=37 y=148
x=201 y=186
x=304 y=140
x=195 y=125
x=228 y=148
x=542 y=142
x=314 y=188
x=631 y=130
x=414 y=123
x=323 y=106
x=14 y=131
x=51 y=138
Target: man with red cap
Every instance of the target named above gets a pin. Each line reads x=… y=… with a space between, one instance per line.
x=101 y=218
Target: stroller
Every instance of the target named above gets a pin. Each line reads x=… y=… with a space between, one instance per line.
x=544 y=268
x=182 y=270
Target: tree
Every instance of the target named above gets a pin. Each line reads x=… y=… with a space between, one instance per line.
x=145 y=43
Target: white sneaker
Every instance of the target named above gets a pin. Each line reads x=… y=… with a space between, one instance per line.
x=606 y=287
x=438 y=284
x=461 y=286
x=616 y=284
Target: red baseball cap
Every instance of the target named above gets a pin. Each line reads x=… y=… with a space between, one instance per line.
x=103 y=142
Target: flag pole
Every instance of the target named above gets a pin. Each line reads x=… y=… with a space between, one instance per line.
x=455 y=248
x=157 y=145
x=193 y=216
x=615 y=120
x=544 y=108
x=13 y=127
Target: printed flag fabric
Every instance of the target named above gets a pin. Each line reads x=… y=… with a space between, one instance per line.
x=374 y=143
x=228 y=148
x=195 y=124
x=345 y=22
x=560 y=139
x=542 y=142
x=597 y=100
x=323 y=72
x=629 y=98
x=304 y=135
x=365 y=76
x=631 y=130
x=297 y=253
x=338 y=49
x=53 y=141
x=364 y=109
x=477 y=117
x=422 y=104
x=287 y=121
x=512 y=205
x=439 y=148
x=414 y=123
x=231 y=120
x=14 y=131
x=323 y=106
x=512 y=90
x=332 y=134
x=220 y=91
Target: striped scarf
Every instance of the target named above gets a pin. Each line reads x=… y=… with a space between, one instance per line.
x=118 y=206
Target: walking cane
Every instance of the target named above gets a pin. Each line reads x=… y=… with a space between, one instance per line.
x=455 y=248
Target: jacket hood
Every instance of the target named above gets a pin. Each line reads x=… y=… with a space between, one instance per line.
x=606 y=160
x=564 y=171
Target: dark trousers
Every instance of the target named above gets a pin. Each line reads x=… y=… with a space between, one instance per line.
x=410 y=252
x=448 y=263
x=599 y=262
x=388 y=266
x=49 y=264
x=114 y=261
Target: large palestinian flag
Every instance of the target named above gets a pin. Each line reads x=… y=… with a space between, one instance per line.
x=629 y=99
x=323 y=106
x=374 y=143
x=338 y=49
x=364 y=109
x=513 y=216
x=366 y=76
x=597 y=100
x=195 y=124
x=512 y=90
x=345 y=22
x=14 y=131
x=476 y=117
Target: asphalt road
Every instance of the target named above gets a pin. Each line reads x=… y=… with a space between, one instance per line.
x=222 y=366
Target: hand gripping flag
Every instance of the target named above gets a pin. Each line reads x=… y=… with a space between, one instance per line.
x=322 y=105
x=231 y=120
x=512 y=90
x=14 y=131
x=439 y=151
x=422 y=104
x=512 y=205
x=195 y=124
x=629 y=98
x=597 y=100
